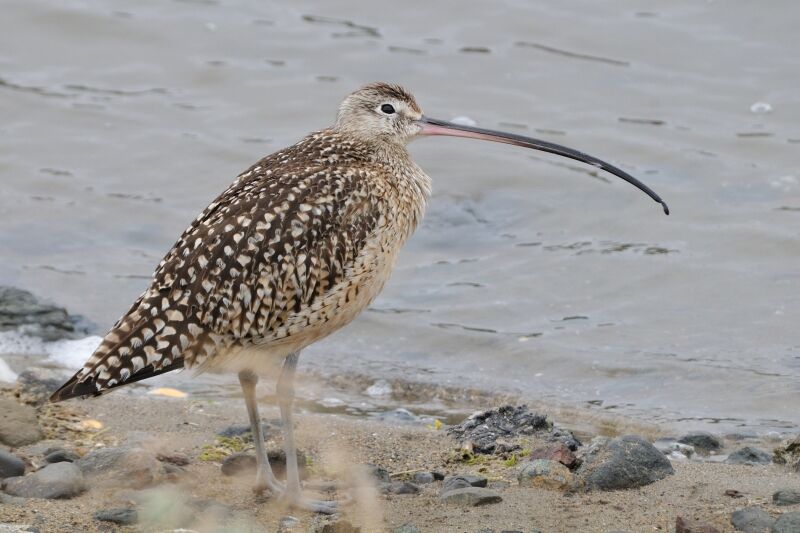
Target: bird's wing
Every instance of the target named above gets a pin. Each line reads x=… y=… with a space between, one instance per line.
x=272 y=244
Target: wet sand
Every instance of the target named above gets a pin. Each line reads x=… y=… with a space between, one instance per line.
x=336 y=442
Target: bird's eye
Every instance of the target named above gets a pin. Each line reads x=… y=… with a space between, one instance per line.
x=387 y=108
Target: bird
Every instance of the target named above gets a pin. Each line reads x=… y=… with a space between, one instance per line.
x=293 y=250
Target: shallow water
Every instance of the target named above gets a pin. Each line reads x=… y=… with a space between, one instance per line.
x=121 y=120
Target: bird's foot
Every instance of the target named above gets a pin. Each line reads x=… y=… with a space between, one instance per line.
x=298 y=501
x=266 y=481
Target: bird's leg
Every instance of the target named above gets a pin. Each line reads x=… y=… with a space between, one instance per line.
x=265 y=479
x=285 y=391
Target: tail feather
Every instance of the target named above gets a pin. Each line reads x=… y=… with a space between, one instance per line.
x=75 y=388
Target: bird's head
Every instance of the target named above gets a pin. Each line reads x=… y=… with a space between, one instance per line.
x=389 y=114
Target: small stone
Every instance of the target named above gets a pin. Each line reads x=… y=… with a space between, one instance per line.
x=471 y=496
x=623 y=463
x=174 y=458
x=423 y=478
x=403 y=487
x=461 y=481
x=752 y=520
x=787 y=523
x=749 y=456
x=438 y=476
x=683 y=525
x=56 y=481
x=18 y=424
x=702 y=441
x=238 y=463
x=376 y=473
x=287 y=523
x=406 y=528
x=340 y=526
x=786 y=497
x=129 y=466
x=60 y=456
x=123 y=516
x=10 y=465
x=556 y=452
x=244 y=432
x=546 y=474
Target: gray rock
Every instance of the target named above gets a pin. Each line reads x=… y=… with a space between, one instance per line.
x=403 y=487
x=7 y=499
x=544 y=473
x=60 y=455
x=788 y=453
x=623 y=463
x=786 y=497
x=174 y=458
x=21 y=309
x=18 y=424
x=787 y=523
x=60 y=480
x=752 y=520
x=702 y=441
x=10 y=465
x=123 y=516
x=239 y=463
x=38 y=383
x=423 y=478
x=749 y=456
x=18 y=528
x=377 y=473
x=129 y=466
x=669 y=446
x=471 y=496
x=287 y=523
x=406 y=528
x=460 y=481
x=483 y=428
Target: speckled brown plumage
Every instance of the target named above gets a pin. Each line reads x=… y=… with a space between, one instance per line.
x=294 y=249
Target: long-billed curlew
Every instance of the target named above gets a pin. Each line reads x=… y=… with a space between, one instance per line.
x=295 y=249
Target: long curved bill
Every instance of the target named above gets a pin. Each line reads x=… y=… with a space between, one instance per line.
x=432 y=126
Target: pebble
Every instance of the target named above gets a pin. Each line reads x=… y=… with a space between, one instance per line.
x=787 y=523
x=238 y=463
x=702 y=441
x=59 y=455
x=556 y=452
x=423 y=478
x=749 y=456
x=402 y=487
x=786 y=497
x=406 y=528
x=56 y=481
x=129 y=466
x=174 y=458
x=287 y=523
x=10 y=465
x=623 y=463
x=682 y=525
x=752 y=520
x=460 y=481
x=123 y=516
x=18 y=424
x=471 y=496
x=544 y=473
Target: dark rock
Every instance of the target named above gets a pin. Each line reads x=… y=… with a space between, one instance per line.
x=623 y=463
x=786 y=497
x=244 y=432
x=559 y=452
x=461 y=481
x=60 y=455
x=403 y=487
x=60 y=480
x=129 y=466
x=544 y=473
x=566 y=437
x=239 y=463
x=406 y=528
x=471 y=496
x=340 y=526
x=682 y=525
x=10 y=465
x=438 y=476
x=749 y=456
x=174 y=458
x=423 y=478
x=376 y=473
x=702 y=441
x=123 y=516
x=21 y=309
x=38 y=383
x=483 y=428
x=788 y=453
x=18 y=424
x=752 y=520
x=787 y=523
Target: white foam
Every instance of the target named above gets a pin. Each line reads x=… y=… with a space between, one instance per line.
x=6 y=374
x=72 y=353
x=17 y=342
x=464 y=121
